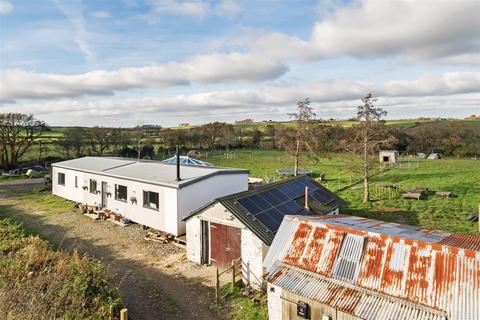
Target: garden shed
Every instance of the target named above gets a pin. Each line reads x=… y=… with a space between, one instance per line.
x=243 y=225
x=345 y=267
x=151 y=193
x=388 y=156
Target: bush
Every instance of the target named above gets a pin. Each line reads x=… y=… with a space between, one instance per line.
x=37 y=282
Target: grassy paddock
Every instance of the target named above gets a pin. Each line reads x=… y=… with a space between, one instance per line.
x=461 y=177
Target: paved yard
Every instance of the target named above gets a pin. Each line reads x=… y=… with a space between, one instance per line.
x=156 y=280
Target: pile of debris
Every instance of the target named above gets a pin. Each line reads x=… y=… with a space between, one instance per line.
x=159 y=236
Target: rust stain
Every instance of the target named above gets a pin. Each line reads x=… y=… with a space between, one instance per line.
x=314 y=249
x=430 y=274
x=299 y=243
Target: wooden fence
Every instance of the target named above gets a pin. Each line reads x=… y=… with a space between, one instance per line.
x=236 y=268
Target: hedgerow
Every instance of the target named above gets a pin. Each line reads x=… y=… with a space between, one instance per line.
x=38 y=282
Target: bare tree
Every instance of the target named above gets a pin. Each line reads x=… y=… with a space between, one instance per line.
x=296 y=140
x=18 y=132
x=371 y=132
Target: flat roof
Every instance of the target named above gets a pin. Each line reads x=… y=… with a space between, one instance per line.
x=148 y=171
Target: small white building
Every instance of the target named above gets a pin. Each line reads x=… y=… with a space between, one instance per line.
x=243 y=225
x=146 y=192
x=388 y=156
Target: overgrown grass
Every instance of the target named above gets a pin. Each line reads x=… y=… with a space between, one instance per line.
x=37 y=282
x=459 y=176
x=252 y=307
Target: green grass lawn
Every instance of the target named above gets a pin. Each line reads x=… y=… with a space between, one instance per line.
x=461 y=177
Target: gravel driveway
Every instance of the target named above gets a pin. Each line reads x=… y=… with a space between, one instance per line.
x=156 y=280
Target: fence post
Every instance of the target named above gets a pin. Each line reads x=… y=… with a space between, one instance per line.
x=111 y=313
x=124 y=314
x=233 y=273
x=217 y=285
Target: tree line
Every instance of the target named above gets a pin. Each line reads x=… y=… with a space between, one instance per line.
x=305 y=134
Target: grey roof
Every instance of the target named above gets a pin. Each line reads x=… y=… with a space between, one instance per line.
x=148 y=171
x=255 y=225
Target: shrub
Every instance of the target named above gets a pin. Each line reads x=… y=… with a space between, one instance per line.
x=37 y=282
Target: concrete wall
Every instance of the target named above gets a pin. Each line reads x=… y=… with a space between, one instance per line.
x=253 y=250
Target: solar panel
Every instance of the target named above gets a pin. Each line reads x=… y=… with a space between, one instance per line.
x=322 y=197
x=270 y=206
x=268 y=221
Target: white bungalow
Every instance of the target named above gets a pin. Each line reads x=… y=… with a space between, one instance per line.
x=150 y=193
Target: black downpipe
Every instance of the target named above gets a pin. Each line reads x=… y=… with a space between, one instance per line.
x=178 y=163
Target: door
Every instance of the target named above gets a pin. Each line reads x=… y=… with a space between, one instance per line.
x=225 y=244
x=104 y=194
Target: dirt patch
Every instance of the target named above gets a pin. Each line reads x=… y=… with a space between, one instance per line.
x=156 y=280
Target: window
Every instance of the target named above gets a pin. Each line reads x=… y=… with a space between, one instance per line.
x=120 y=192
x=93 y=186
x=76 y=181
x=150 y=200
x=61 y=179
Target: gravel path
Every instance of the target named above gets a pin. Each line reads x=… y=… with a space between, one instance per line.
x=156 y=280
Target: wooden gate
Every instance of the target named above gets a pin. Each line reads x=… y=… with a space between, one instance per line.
x=225 y=244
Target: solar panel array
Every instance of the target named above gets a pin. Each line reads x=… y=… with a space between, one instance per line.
x=270 y=206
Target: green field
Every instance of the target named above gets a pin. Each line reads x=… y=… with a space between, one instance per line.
x=461 y=177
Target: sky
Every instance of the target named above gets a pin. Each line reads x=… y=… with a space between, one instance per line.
x=165 y=62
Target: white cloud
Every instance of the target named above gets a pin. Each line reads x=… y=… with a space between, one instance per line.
x=193 y=8
x=418 y=30
x=6 y=7
x=213 y=68
x=73 y=11
x=101 y=14
x=455 y=93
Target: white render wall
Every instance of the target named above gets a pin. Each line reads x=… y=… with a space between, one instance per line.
x=253 y=250
x=68 y=191
x=253 y=253
x=196 y=195
x=174 y=204
x=274 y=302
x=160 y=219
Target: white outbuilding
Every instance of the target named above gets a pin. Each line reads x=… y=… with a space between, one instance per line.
x=243 y=225
x=151 y=193
x=388 y=156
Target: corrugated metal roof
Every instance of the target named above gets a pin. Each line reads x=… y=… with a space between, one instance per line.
x=148 y=171
x=365 y=304
x=413 y=266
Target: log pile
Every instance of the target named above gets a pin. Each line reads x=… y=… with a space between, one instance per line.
x=159 y=236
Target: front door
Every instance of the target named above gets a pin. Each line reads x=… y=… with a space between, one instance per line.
x=225 y=244
x=104 y=194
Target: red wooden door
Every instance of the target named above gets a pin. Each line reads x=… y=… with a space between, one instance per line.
x=225 y=244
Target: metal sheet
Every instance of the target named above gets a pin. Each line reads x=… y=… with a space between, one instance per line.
x=430 y=274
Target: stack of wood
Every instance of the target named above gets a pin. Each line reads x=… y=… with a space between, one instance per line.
x=159 y=236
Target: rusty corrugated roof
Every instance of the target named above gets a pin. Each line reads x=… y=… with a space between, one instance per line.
x=429 y=268
x=362 y=303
